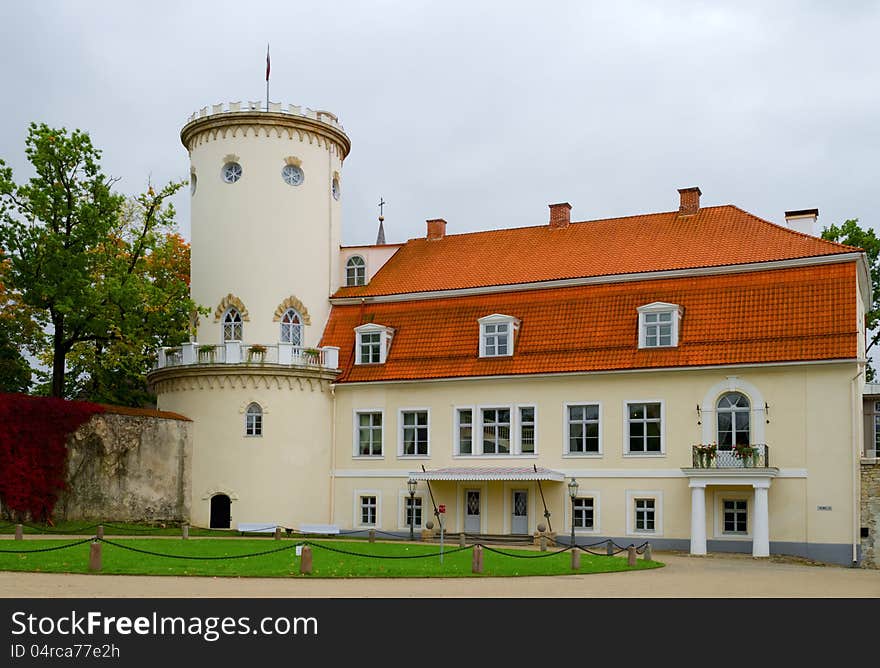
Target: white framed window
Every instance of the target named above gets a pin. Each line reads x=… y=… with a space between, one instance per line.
x=733 y=417
x=368 y=431
x=583 y=429
x=367 y=508
x=734 y=516
x=373 y=343
x=583 y=508
x=291 y=327
x=253 y=420
x=232 y=325
x=644 y=428
x=644 y=512
x=495 y=431
x=406 y=508
x=355 y=271
x=464 y=431
x=527 y=429
x=414 y=428
x=497 y=335
x=659 y=325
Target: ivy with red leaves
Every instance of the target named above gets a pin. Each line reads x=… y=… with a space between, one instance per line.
x=33 y=451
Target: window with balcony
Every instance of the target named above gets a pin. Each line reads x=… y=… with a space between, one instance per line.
x=659 y=325
x=733 y=415
x=232 y=325
x=291 y=328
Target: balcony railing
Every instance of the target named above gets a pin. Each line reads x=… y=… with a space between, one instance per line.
x=236 y=352
x=755 y=456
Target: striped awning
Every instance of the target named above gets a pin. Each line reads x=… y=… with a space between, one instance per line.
x=490 y=473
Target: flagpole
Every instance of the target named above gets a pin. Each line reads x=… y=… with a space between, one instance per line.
x=267 y=76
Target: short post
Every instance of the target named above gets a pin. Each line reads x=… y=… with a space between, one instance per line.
x=477 y=561
x=99 y=531
x=277 y=533
x=185 y=531
x=372 y=535
x=19 y=532
x=462 y=538
x=575 y=558
x=609 y=547
x=648 y=555
x=631 y=555
x=542 y=541
x=95 y=557
x=305 y=562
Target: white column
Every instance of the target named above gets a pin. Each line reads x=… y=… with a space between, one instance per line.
x=698 y=517
x=761 y=532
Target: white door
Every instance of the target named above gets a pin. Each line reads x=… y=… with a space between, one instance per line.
x=472 y=511
x=519 y=523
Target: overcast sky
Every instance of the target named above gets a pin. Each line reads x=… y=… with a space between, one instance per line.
x=481 y=113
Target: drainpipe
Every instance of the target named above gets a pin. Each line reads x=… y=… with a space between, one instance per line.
x=856 y=451
x=332 y=452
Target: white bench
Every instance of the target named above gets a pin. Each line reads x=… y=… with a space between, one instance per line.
x=257 y=527
x=319 y=528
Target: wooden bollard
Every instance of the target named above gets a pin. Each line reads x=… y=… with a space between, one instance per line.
x=631 y=555
x=648 y=555
x=99 y=531
x=477 y=562
x=305 y=562
x=372 y=535
x=462 y=539
x=19 y=532
x=609 y=548
x=277 y=533
x=542 y=542
x=575 y=559
x=184 y=531
x=95 y=557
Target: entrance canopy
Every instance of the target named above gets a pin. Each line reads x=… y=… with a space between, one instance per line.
x=490 y=473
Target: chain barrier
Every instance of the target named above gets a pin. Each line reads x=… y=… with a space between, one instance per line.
x=48 y=549
x=199 y=558
x=390 y=556
x=540 y=555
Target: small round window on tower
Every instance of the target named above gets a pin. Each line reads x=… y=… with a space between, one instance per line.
x=292 y=175
x=334 y=188
x=192 y=184
x=231 y=172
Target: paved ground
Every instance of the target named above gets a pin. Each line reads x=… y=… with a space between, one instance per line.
x=683 y=576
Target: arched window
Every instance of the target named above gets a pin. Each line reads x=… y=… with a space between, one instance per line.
x=291 y=328
x=734 y=415
x=232 y=330
x=355 y=271
x=253 y=422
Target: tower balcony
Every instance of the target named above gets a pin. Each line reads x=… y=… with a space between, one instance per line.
x=248 y=354
x=752 y=456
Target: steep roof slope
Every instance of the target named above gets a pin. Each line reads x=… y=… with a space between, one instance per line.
x=714 y=236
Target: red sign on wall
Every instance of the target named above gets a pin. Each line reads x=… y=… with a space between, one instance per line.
x=441 y=508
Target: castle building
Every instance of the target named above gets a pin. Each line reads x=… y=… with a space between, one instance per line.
x=692 y=377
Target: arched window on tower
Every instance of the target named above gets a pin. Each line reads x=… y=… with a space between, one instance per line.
x=232 y=327
x=355 y=271
x=291 y=328
x=253 y=422
x=734 y=416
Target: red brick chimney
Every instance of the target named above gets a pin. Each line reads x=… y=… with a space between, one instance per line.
x=436 y=228
x=560 y=215
x=690 y=201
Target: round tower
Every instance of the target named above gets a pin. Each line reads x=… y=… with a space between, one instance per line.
x=266 y=191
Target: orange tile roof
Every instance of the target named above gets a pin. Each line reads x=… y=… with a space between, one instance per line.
x=715 y=236
x=782 y=315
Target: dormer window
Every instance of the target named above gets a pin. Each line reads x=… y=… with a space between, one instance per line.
x=658 y=325
x=496 y=335
x=373 y=342
x=355 y=271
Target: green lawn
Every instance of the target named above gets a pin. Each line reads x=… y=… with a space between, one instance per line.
x=327 y=563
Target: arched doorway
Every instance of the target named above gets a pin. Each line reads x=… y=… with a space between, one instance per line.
x=221 y=514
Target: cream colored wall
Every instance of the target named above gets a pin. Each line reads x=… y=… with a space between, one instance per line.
x=282 y=476
x=262 y=239
x=810 y=436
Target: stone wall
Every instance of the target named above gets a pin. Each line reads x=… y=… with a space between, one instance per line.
x=870 y=513
x=129 y=465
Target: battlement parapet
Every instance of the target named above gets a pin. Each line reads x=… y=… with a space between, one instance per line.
x=274 y=108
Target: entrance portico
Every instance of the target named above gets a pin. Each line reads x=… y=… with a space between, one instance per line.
x=758 y=479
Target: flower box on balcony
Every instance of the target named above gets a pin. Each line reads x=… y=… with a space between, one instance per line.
x=256 y=353
x=206 y=353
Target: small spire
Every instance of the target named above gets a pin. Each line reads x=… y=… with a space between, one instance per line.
x=380 y=238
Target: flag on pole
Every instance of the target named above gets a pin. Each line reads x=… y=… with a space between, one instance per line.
x=267 y=63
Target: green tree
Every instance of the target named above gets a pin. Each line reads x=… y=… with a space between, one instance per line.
x=16 y=330
x=86 y=263
x=851 y=234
